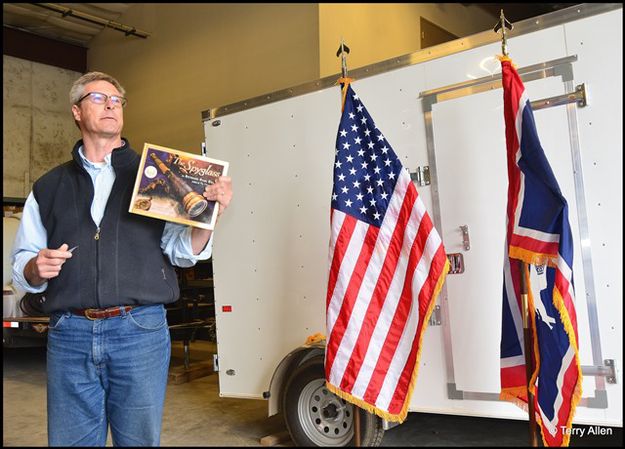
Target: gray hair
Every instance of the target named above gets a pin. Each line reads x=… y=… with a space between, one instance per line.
x=78 y=88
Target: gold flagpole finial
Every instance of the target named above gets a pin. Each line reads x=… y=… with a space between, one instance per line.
x=342 y=52
x=503 y=24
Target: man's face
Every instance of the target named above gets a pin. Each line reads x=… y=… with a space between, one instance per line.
x=99 y=120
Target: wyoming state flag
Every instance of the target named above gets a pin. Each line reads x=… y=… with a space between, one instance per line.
x=537 y=233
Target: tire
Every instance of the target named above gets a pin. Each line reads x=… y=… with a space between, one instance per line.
x=315 y=416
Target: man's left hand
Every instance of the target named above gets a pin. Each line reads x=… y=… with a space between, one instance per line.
x=220 y=191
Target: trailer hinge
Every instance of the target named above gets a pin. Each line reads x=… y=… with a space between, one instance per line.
x=215 y=363
x=579 y=96
x=435 y=318
x=421 y=176
x=607 y=370
x=466 y=241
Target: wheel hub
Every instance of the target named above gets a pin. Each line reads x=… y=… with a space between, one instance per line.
x=326 y=418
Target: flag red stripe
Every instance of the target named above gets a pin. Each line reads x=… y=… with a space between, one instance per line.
x=342 y=241
x=513 y=376
x=399 y=318
x=351 y=293
x=534 y=245
x=425 y=296
x=380 y=290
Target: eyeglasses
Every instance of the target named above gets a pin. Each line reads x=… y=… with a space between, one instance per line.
x=100 y=98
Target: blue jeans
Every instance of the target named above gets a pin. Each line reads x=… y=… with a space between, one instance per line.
x=107 y=372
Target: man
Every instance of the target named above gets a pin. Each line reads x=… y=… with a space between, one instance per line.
x=108 y=340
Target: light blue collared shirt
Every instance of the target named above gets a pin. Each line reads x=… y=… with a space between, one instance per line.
x=32 y=236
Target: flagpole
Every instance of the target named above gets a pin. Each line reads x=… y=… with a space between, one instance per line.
x=527 y=330
x=529 y=365
x=342 y=52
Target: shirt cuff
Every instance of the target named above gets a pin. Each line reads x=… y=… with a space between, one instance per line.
x=21 y=259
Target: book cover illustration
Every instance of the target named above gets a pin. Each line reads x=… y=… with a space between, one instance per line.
x=170 y=183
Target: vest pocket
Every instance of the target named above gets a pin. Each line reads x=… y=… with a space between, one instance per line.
x=166 y=281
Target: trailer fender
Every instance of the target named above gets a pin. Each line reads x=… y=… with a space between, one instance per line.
x=293 y=359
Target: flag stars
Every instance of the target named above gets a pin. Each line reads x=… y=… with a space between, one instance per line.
x=366 y=168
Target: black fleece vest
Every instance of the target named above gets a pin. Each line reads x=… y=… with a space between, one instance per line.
x=119 y=263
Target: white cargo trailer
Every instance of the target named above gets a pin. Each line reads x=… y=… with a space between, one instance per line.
x=441 y=110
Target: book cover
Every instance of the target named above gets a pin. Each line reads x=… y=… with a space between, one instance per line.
x=170 y=183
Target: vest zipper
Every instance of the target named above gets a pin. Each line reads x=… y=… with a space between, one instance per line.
x=96 y=237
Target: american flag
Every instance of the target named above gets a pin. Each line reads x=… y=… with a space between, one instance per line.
x=387 y=265
x=537 y=233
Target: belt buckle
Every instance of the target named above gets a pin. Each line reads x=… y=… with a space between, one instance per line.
x=88 y=311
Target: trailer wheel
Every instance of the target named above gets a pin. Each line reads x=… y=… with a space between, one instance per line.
x=316 y=417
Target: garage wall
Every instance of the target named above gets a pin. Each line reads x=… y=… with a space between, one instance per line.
x=201 y=56
x=38 y=130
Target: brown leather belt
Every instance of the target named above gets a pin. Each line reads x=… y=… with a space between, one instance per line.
x=100 y=314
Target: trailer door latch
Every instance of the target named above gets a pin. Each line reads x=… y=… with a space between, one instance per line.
x=456 y=263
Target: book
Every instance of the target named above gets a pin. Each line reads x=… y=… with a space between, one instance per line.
x=170 y=183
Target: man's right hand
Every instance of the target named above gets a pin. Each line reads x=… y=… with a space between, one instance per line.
x=46 y=265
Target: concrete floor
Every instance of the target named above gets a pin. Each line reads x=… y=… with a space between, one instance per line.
x=195 y=415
